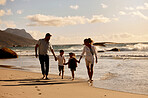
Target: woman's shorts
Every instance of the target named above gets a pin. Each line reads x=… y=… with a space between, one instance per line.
x=89 y=63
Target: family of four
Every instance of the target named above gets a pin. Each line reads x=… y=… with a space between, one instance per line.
x=44 y=45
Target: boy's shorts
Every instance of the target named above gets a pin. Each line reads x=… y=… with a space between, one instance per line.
x=61 y=68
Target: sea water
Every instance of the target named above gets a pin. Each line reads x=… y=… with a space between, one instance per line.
x=125 y=70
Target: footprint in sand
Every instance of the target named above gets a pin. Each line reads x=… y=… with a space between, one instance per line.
x=39 y=93
x=38 y=90
x=36 y=86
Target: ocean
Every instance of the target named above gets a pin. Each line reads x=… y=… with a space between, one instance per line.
x=125 y=70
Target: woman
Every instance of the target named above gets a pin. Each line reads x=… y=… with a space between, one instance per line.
x=90 y=51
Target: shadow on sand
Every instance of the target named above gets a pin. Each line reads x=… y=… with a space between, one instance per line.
x=33 y=82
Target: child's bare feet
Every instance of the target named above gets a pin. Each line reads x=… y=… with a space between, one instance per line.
x=43 y=77
x=46 y=78
x=91 y=81
x=59 y=73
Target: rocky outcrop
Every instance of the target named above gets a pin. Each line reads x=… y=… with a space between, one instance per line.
x=114 y=49
x=7 y=53
x=99 y=44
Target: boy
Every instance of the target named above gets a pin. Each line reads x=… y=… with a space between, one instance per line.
x=61 y=62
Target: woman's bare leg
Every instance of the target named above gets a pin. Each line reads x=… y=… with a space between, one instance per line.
x=91 y=72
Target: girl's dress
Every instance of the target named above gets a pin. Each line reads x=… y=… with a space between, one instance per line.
x=72 y=64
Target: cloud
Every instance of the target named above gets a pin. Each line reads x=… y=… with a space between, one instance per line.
x=127 y=37
x=7 y=12
x=112 y=37
x=99 y=18
x=129 y=8
x=145 y=7
x=2 y=2
x=104 y=6
x=44 y=20
x=138 y=13
x=134 y=13
x=19 y=11
x=1 y=22
x=120 y=37
x=74 y=7
x=115 y=19
x=36 y=34
x=2 y=12
x=115 y=37
x=58 y=39
x=8 y=24
x=122 y=13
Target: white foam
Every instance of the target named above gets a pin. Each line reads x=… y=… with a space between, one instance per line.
x=108 y=76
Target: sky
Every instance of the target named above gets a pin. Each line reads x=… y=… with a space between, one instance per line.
x=71 y=21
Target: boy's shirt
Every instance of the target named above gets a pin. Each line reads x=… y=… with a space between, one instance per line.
x=61 y=60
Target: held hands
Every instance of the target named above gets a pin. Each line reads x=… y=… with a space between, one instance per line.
x=79 y=61
x=96 y=61
x=36 y=55
x=55 y=58
x=65 y=63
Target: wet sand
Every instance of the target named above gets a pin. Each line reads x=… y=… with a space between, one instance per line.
x=23 y=84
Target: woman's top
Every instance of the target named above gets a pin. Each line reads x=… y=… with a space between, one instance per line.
x=90 y=52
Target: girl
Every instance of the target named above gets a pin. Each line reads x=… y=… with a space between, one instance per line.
x=72 y=63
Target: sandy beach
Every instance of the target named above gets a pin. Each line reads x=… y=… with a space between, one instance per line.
x=23 y=84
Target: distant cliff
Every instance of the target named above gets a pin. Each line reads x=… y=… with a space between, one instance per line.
x=19 y=32
x=9 y=40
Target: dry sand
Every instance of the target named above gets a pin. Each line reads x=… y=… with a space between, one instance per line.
x=22 y=84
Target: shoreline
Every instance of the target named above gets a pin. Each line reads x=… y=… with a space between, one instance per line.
x=67 y=77
x=14 y=83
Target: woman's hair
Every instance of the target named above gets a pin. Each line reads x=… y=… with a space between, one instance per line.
x=88 y=40
x=85 y=40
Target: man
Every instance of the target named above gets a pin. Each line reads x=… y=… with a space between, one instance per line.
x=44 y=45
